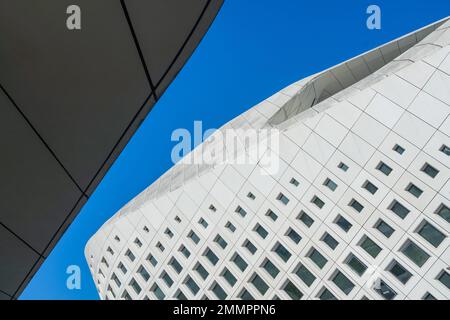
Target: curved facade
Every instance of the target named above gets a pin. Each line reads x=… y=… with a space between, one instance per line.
x=358 y=208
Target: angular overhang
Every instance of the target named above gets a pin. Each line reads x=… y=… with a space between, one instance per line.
x=70 y=100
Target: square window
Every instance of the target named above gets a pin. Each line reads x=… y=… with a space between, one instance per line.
x=369 y=186
x=251 y=196
x=176 y=265
x=212 y=208
x=305 y=275
x=444 y=212
x=259 y=284
x=399 y=209
x=239 y=262
x=415 y=253
x=190 y=283
x=317 y=258
x=431 y=234
x=220 y=241
x=130 y=255
x=292 y=291
x=343 y=166
x=398 y=149
x=383 y=167
x=283 y=199
x=282 y=252
x=261 y=231
x=399 y=272
x=138 y=242
x=318 y=202
x=384 y=228
x=180 y=295
x=158 y=292
x=343 y=283
x=356 y=205
x=414 y=190
x=152 y=260
x=270 y=268
x=326 y=294
x=160 y=246
x=230 y=227
x=307 y=220
x=430 y=170
x=122 y=268
x=229 y=277
x=218 y=291
x=144 y=273
x=370 y=247
x=169 y=233
x=194 y=237
x=428 y=296
x=167 y=279
x=293 y=235
x=330 y=184
x=384 y=290
x=241 y=211
x=203 y=223
x=245 y=295
x=250 y=246
x=444 y=149
x=272 y=215
x=444 y=278
x=201 y=271
x=185 y=251
x=211 y=256
x=343 y=223
x=294 y=182
x=356 y=265
x=330 y=241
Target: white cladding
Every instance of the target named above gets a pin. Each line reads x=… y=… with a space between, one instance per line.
x=359 y=207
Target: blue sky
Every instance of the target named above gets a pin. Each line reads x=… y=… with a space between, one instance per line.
x=253 y=49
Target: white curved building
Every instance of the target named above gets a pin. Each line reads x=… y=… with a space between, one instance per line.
x=358 y=208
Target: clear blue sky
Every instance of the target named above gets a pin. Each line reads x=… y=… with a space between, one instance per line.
x=254 y=49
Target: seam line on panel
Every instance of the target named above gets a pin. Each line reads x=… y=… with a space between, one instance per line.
x=20 y=238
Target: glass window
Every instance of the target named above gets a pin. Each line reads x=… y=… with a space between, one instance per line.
x=180 y=295
x=160 y=246
x=414 y=190
x=356 y=205
x=185 y=251
x=167 y=279
x=138 y=242
x=305 y=275
x=169 y=233
x=201 y=271
x=356 y=265
x=330 y=241
x=343 y=283
x=126 y=295
x=399 y=272
x=398 y=149
x=245 y=295
x=190 y=283
x=444 y=212
x=272 y=215
x=250 y=246
x=212 y=208
x=343 y=223
x=219 y=292
x=211 y=256
x=430 y=170
x=307 y=220
x=239 y=262
x=369 y=186
x=241 y=211
x=230 y=226
x=384 y=290
x=194 y=237
x=399 y=209
x=283 y=199
x=383 y=167
x=294 y=182
x=176 y=265
x=343 y=166
x=428 y=296
x=444 y=149
x=158 y=292
x=384 y=228
x=330 y=184
x=261 y=231
x=203 y=222
x=251 y=196
x=282 y=252
x=431 y=234
x=136 y=287
x=370 y=247
x=221 y=242
x=270 y=268
x=229 y=277
x=259 y=284
x=144 y=273
x=444 y=278
x=122 y=268
x=326 y=295
x=116 y=279
x=317 y=258
x=293 y=235
x=292 y=291
x=318 y=202
x=130 y=255
x=152 y=260
x=415 y=253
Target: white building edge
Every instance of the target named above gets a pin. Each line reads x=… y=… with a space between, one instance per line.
x=358 y=209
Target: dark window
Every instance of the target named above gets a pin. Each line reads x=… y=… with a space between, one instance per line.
x=414 y=190
x=330 y=241
x=444 y=212
x=343 y=283
x=307 y=220
x=282 y=252
x=430 y=170
x=211 y=256
x=383 y=167
x=431 y=234
x=259 y=284
x=398 y=149
x=384 y=228
x=272 y=215
x=240 y=263
x=283 y=199
x=356 y=265
x=415 y=253
x=305 y=275
x=229 y=277
x=293 y=235
x=330 y=184
x=370 y=247
x=343 y=223
x=318 y=202
x=294 y=182
x=369 y=186
x=292 y=291
x=343 y=166
x=399 y=272
x=444 y=149
x=317 y=258
x=400 y=210
x=271 y=268
x=356 y=205
x=384 y=290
